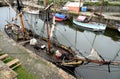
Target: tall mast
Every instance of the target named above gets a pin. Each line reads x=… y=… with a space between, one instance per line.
x=101 y=8
x=47 y=24
x=19 y=8
x=46 y=2
x=22 y=22
x=48 y=31
x=80 y=2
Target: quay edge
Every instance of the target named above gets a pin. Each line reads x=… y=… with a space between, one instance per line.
x=35 y=64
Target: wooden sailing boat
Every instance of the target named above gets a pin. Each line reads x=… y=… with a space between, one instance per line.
x=54 y=52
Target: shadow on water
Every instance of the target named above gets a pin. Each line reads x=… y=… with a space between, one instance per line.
x=72 y=26
x=113 y=34
x=69 y=70
x=101 y=72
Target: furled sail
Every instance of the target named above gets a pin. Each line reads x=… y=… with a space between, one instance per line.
x=53 y=27
x=94 y=55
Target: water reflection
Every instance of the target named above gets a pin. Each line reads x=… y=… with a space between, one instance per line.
x=106 y=43
x=6 y=15
x=114 y=34
x=92 y=71
x=72 y=26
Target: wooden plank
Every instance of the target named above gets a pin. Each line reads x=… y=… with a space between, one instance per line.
x=24 y=42
x=3 y=56
x=6 y=72
x=12 y=62
x=16 y=66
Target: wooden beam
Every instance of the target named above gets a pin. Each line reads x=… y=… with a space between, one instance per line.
x=12 y=62
x=48 y=6
x=16 y=66
x=3 y=56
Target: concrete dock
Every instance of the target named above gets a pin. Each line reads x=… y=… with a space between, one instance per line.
x=36 y=65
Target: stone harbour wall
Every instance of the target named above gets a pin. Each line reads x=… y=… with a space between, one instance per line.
x=107 y=8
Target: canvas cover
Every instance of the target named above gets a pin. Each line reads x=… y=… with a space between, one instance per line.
x=63 y=16
x=81 y=18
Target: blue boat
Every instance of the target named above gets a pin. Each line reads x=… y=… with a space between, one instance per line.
x=60 y=16
x=80 y=21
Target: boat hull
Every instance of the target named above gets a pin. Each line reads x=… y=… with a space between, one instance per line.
x=60 y=17
x=34 y=12
x=91 y=25
x=66 y=59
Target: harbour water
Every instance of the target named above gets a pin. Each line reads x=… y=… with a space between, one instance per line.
x=107 y=44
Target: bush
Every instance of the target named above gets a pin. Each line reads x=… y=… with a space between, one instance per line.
x=106 y=3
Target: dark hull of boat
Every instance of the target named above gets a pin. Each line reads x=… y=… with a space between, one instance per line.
x=67 y=58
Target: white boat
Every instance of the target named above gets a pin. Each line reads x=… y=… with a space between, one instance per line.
x=32 y=11
x=81 y=21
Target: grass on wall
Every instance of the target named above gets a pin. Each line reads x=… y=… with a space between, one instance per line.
x=21 y=71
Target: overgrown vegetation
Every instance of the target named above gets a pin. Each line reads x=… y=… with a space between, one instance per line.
x=21 y=71
x=8 y=59
x=106 y=3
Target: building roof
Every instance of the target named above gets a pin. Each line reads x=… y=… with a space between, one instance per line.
x=74 y=4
